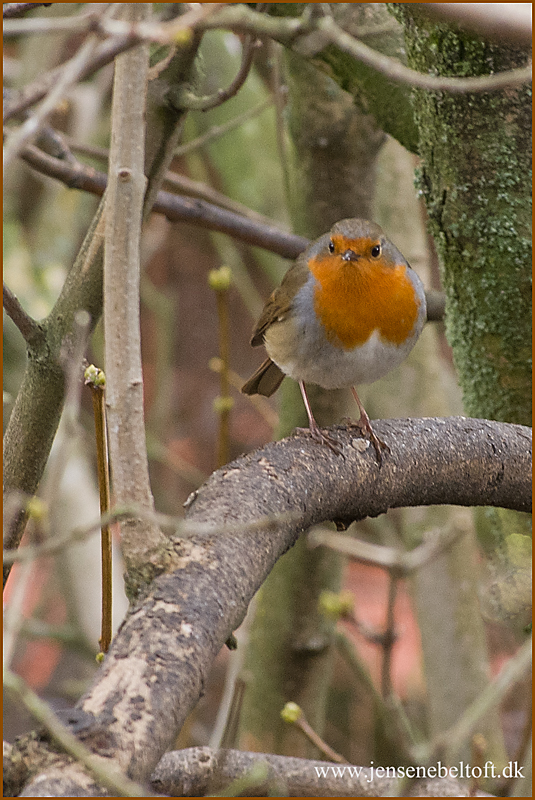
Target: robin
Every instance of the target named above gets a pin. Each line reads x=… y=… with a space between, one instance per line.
x=347 y=312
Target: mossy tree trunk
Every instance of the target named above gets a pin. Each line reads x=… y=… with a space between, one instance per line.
x=475 y=177
x=476 y=181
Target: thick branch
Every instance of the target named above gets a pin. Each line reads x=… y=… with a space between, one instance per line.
x=247 y=515
x=199 y=771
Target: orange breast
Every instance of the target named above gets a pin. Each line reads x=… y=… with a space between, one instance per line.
x=354 y=299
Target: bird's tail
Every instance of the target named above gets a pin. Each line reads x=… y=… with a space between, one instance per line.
x=266 y=380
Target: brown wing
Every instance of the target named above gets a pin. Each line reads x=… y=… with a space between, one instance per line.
x=280 y=302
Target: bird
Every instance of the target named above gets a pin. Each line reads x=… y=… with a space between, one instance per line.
x=347 y=312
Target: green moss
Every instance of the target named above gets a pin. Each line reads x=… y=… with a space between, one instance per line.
x=476 y=181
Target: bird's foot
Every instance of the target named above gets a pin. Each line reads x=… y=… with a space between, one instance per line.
x=367 y=431
x=322 y=437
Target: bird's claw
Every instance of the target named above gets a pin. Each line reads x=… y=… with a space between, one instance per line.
x=367 y=431
x=322 y=437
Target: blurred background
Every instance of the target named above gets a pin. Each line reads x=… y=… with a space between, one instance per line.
x=243 y=150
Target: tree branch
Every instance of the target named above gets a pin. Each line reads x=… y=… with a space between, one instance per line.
x=239 y=18
x=166 y=645
x=35 y=416
x=398 y=72
x=14 y=10
x=201 y=771
x=43 y=713
x=31 y=94
x=124 y=378
x=192 y=101
x=174 y=207
x=198 y=212
x=30 y=329
x=69 y=75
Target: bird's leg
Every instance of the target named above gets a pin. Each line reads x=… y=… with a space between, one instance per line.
x=315 y=430
x=365 y=426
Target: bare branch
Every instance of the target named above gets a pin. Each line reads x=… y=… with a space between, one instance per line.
x=14 y=10
x=31 y=94
x=42 y=25
x=220 y=130
x=175 y=208
x=178 y=182
x=59 y=542
x=124 y=377
x=69 y=75
x=191 y=101
x=30 y=329
x=167 y=643
x=398 y=562
x=492 y=696
x=239 y=18
x=35 y=416
x=201 y=771
x=189 y=612
x=398 y=72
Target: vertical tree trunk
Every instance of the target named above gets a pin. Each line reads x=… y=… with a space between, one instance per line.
x=475 y=179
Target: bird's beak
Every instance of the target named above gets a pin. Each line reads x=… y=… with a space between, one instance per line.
x=350 y=255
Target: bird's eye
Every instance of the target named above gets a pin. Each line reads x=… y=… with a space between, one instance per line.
x=331 y=246
x=376 y=251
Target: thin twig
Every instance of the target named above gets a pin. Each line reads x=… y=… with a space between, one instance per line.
x=388 y=638
x=103 y=770
x=293 y=714
x=216 y=131
x=58 y=543
x=96 y=380
x=31 y=94
x=70 y=74
x=239 y=18
x=219 y=281
x=195 y=103
x=191 y=188
x=397 y=562
x=390 y=715
x=453 y=739
x=177 y=526
x=261 y=404
x=175 y=208
x=519 y=756
x=31 y=330
x=48 y=25
x=185 y=185
x=279 y=96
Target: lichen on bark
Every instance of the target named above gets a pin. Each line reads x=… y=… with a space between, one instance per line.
x=476 y=180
